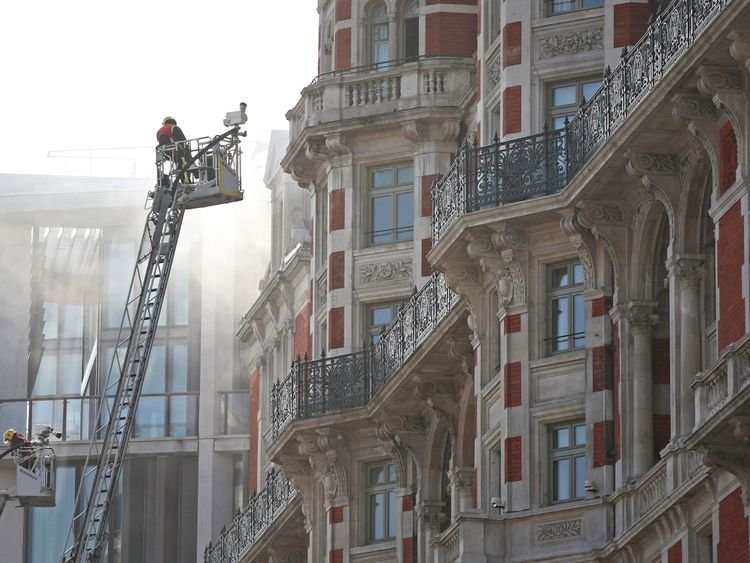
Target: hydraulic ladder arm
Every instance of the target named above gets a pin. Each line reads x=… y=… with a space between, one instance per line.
x=86 y=540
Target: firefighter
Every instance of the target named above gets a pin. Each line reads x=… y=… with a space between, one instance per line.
x=25 y=452
x=170 y=134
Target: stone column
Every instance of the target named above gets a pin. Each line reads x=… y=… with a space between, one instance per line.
x=641 y=322
x=461 y=483
x=392 y=36
x=690 y=275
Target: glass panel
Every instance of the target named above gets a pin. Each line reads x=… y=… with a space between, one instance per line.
x=377 y=476
x=405 y=214
x=392 y=520
x=379 y=11
x=591 y=3
x=405 y=175
x=561 y=438
x=559 y=122
x=377 y=516
x=580 y=476
x=577 y=273
x=564 y=96
x=178 y=415
x=589 y=88
x=578 y=321
x=72 y=321
x=46 y=377
x=560 y=277
x=238 y=412
x=48 y=526
x=48 y=413
x=391 y=473
x=51 y=319
x=382 y=219
x=120 y=259
x=179 y=305
x=149 y=419
x=382 y=179
x=71 y=373
x=561 y=476
x=179 y=368
x=154 y=381
x=580 y=435
x=560 y=6
x=73 y=419
x=381 y=315
x=560 y=324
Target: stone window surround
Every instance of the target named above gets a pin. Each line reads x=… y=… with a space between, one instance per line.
x=367 y=194
x=545 y=324
x=570 y=453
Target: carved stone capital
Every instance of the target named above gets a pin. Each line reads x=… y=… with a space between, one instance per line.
x=641 y=317
x=713 y=79
x=414 y=131
x=642 y=164
x=461 y=477
x=338 y=144
x=322 y=451
x=692 y=107
x=449 y=130
x=315 y=150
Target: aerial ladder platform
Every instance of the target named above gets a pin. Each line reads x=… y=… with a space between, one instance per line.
x=190 y=174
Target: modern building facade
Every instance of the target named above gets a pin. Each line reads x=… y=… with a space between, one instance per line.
x=68 y=253
x=524 y=315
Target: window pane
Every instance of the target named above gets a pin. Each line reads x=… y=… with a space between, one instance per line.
x=405 y=202
x=392 y=513
x=577 y=273
x=580 y=435
x=559 y=122
x=560 y=277
x=589 y=88
x=561 y=438
x=72 y=321
x=179 y=309
x=46 y=378
x=561 y=477
x=405 y=175
x=591 y=3
x=559 y=6
x=154 y=381
x=71 y=373
x=149 y=420
x=178 y=413
x=564 y=96
x=382 y=221
x=560 y=324
x=580 y=476
x=391 y=473
x=377 y=517
x=179 y=368
x=381 y=315
x=377 y=475
x=382 y=179
x=578 y=321
x=51 y=319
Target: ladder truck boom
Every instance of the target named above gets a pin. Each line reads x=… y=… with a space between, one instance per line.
x=209 y=174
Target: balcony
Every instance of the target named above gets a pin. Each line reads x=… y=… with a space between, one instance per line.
x=380 y=89
x=544 y=164
x=327 y=385
x=264 y=509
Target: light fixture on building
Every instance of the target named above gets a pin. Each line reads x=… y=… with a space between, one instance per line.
x=590 y=487
x=498 y=503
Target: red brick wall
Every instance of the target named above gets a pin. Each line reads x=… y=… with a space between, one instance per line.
x=660 y=360
x=730 y=258
x=407 y=503
x=512 y=324
x=427 y=194
x=511 y=110
x=336 y=515
x=512 y=384
x=631 y=21
x=513 y=459
x=603 y=431
x=336 y=269
x=336 y=328
x=451 y=34
x=409 y=555
x=674 y=553
x=727 y=157
x=733 y=531
x=343 y=10
x=426 y=247
x=602 y=368
x=662 y=432
x=616 y=385
x=302 y=336
x=600 y=306
x=512 y=44
x=252 y=470
x=336 y=210
x=336 y=556
x=342 y=43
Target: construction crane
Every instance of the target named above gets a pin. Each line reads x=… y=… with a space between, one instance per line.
x=190 y=174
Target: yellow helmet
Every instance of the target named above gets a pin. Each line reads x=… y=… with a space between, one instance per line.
x=9 y=434
x=169 y=118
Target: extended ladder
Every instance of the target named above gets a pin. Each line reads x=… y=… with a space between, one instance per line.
x=138 y=327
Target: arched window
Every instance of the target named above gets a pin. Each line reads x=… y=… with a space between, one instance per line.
x=411 y=29
x=379 y=34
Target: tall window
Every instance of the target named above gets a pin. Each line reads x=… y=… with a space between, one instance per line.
x=379 y=33
x=565 y=307
x=392 y=204
x=568 y=461
x=563 y=6
x=381 y=502
x=564 y=99
x=378 y=318
x=411 y=30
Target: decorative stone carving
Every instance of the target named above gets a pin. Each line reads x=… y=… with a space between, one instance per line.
x=321 y=450
x=559 y=530
x=736 y=461
x=413 y=130
x=511 y=243
x=494 y=71
x=385 y=271
x=593 y=214
x=715 y=78
x=449 y=129
x=640 y=164
x=570 y=43
x=572 y=228
x=338 y=144
x=689 y=107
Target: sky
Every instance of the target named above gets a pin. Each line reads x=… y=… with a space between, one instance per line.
x=101 y=75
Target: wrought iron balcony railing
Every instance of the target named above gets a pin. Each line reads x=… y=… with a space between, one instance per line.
x=542 y=164
x=336 y=383
x=249 y=524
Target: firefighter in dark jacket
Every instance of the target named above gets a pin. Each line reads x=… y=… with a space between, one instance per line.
x=25 y=452
x=170 y=134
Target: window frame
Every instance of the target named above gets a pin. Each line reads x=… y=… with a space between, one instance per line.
x=385 y=488
x=410 y=11
x=373 y=331
x=553 y=112
x=374 y=21
x=549 y=12
x=394 y=190
x=570 y=291
x=570 y=453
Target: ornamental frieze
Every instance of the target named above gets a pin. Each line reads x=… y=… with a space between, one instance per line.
x=385 y=271
x=570 y=43
x=559 y=530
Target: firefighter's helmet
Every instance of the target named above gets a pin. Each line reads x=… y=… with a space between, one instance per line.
x=168 y=119
x=9 y=435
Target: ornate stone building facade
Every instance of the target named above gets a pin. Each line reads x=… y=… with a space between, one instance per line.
x=526 y=309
